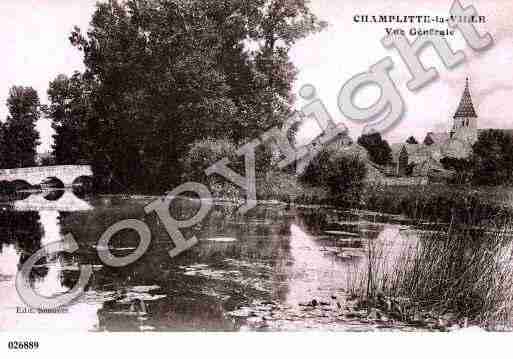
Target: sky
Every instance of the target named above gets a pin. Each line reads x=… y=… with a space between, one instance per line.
x=34 y=38
x=35 y=47
x=328 y=59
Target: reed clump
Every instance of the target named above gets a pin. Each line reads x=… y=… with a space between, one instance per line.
x=463 y=271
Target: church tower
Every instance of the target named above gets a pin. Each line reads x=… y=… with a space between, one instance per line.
x=465 y=119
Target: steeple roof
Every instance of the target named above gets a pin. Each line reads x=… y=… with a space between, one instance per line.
x=466 y=108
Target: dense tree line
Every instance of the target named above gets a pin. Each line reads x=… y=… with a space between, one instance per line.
x=18 y=135
x=162 y=75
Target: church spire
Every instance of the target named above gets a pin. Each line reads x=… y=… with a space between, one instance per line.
x=466 y=107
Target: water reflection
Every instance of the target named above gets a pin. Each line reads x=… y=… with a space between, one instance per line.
x=273 y=254
x=54 y=195
x=64 y=201
x=25 y=232
x=313 y=274
x=22 y=232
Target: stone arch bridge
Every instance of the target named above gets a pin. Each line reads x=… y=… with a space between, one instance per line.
x=36 y=175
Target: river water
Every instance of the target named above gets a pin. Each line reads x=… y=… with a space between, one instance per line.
x=254 y=272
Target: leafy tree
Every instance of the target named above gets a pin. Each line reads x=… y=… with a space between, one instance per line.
x=69 y=111
x=20 y=136
x=412 y=141
x=167 y=73
x=378 y=149
x=493 y=158
x=428 y=141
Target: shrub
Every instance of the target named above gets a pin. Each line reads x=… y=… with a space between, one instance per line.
x=462 y=168
x=313 y=195
x=339 y=173
x=280 y=186
x=205 y=153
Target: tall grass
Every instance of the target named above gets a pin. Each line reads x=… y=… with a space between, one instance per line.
x=465 y=271
x=436 y=202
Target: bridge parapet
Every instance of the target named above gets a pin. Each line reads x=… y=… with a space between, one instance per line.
x=35 y=175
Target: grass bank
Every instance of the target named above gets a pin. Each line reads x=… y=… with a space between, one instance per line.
x=441 y=202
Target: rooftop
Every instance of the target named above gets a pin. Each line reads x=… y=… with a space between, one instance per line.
x=466 y=107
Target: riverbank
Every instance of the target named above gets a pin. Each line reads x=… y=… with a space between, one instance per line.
x=433 y=202
x=438 y=202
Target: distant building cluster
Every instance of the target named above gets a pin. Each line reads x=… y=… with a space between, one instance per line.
x=423 y=159
x=413 y=161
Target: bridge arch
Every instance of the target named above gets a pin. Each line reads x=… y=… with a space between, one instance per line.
x=52 y=182
x=6 y=187
x=19 y=189
x=20 y=185
x=54 y=195
x=82 y=185
x=85 y=182
x=35 y=175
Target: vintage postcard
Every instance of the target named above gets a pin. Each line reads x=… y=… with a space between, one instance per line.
x=171 y=166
